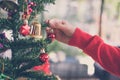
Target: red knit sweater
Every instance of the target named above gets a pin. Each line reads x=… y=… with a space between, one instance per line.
x=106 y=55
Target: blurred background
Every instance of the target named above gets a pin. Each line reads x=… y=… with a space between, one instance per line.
x=71 y=63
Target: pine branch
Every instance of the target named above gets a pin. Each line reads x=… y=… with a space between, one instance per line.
x=4 y=24
x=8 y=67
x=28 y=43
x=5 y=42
x=24 y=58
x=25 y=52
x=38 y=75
x=28 y=66
x=31 y=74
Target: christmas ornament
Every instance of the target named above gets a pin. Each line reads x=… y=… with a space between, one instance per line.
x=35 y=31
x=26 y=15
x=31 y=4
x=25 y=29
x=9 y=5
x=44 y=57
x=28 y=10
x=44 y=68
x=50 y=34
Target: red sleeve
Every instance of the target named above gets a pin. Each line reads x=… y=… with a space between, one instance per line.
x=106 y=55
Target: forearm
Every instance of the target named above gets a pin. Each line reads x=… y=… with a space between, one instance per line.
x=108 y=56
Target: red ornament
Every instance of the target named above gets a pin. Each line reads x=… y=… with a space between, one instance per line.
x=44 y=68
x=27 y=12
x=29 y=5
x=24 y=30
x=25 y=16
x=30 y=10
x=44 y=57
x=51 y=35
x=32 y=4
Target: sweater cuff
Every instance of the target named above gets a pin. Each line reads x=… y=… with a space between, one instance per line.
x=80 y=39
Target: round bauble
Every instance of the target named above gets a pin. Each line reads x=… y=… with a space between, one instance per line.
x=44 y=57
x=24 y=30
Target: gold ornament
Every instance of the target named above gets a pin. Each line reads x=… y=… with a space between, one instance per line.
x=35 y=30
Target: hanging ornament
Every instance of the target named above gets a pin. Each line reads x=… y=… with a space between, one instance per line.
x=50 y=34
x=31 y=4
x=9 y=5
x=43 y=56
x=35 y=31
x=26 y=15
x=25 y=29
x=44 y=68
x=27 y=12
x=30 y=10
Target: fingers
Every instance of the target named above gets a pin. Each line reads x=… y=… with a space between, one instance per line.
x=63 y=22
x=49 y=30
x=61 y=25
x=56 y=23
x=50 y=22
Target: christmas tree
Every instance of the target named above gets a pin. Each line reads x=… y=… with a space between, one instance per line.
x=28 y=45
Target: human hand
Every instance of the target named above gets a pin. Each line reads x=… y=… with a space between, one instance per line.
x=62 y=29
